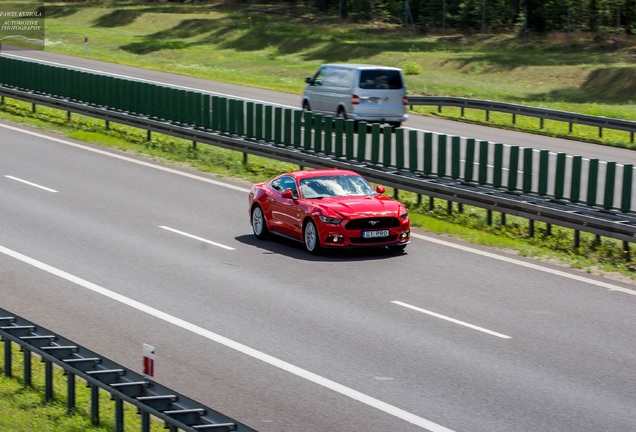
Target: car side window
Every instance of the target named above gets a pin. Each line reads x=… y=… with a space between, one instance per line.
x=281 y=184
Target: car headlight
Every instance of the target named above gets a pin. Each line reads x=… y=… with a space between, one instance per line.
x=404 y=216
x=330 y=220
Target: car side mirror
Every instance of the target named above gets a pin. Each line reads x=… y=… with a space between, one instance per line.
x=309 y=81
x=287 y=194
x=380 y=189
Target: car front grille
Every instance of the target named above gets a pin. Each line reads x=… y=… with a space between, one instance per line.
x=373 y=223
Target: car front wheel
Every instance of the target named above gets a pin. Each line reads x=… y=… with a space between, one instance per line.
x=310 y=237
x=259 y=226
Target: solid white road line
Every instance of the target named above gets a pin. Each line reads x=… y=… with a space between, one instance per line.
x=244 y=349
x=509 y=260
x=453 y=320
x=197 y=238
x=30 y=184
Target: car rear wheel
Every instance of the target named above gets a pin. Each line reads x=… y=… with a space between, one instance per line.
x=310 y=238
x=341 y=113
x=259 y=226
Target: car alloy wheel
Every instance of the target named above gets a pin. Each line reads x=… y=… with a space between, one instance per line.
x=258 y=223
x=310 y=236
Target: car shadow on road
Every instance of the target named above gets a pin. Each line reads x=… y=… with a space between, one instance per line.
x=292 y=249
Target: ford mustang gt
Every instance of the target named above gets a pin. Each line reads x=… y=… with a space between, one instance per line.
x=328 y=208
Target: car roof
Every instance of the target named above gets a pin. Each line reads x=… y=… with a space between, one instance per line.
x=320 y=173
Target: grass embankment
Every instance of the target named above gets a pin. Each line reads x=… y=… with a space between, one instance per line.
x=277 y=47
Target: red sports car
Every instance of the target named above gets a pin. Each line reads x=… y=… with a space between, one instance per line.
x=328 y=208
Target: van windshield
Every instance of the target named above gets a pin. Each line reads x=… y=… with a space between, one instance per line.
x=377 y=79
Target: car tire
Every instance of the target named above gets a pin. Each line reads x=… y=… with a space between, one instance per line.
x=310 y=238
x=306 y=106
x=259 y=225
x=341 y=113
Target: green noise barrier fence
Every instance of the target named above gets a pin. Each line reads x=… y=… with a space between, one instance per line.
x=592 y=182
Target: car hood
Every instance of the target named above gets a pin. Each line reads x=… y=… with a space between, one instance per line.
x=360 y=206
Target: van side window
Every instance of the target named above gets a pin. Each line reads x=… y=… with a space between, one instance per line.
x=338 y=77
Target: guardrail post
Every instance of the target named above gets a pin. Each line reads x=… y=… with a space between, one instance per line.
x=575 y=183
x=94 y=404
x=498 y=166
x=375 y=143
x=626 y=199
x=387 y=145
x=48 y=379
x=328 y=135
x=309 y=120
x=483 y=162
x=298 y=128
x=592 y=182
x=278 y=128
x=428 y=153
x=207 y=111
x=70 y=392
x=249 y=120
x=610 y=180
x=362 y=141
x=239 y=115
x=119 y=414
x=559 y=178
x=455 y=157
x=317 y=144
x=287 y=126
x=8 y=358
x=544 y=157
x=527 y=170
x=413 y=165
x=349 y=138
x=399 y=148
x=268 y=123
x=470 y=160
x=27 y=368
x=513 y=168
x=258 y=121
x=441 y=155
x=339 y=132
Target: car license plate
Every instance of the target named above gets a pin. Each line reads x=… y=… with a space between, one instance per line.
x=375 y=234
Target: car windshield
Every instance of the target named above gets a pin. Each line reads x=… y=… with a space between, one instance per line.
x=341 y=185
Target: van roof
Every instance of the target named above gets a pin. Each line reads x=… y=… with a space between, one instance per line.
x=361 y=66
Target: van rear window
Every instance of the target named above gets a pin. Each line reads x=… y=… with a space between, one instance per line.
x=380 y=79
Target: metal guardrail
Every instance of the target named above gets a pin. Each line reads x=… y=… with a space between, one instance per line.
x=541 y=113
x=602 y=222
x=150 y=398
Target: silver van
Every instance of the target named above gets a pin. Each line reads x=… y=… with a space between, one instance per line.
x=374 y=94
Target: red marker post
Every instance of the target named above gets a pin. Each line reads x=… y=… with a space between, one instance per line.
x=149 y=360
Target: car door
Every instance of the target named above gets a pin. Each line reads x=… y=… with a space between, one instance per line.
x=285 y=214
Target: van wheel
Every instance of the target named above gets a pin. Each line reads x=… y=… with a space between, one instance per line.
x=395 y=124
x=341 y=113
x=306 y=106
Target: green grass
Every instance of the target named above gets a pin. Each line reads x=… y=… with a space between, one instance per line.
x=25 y=409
